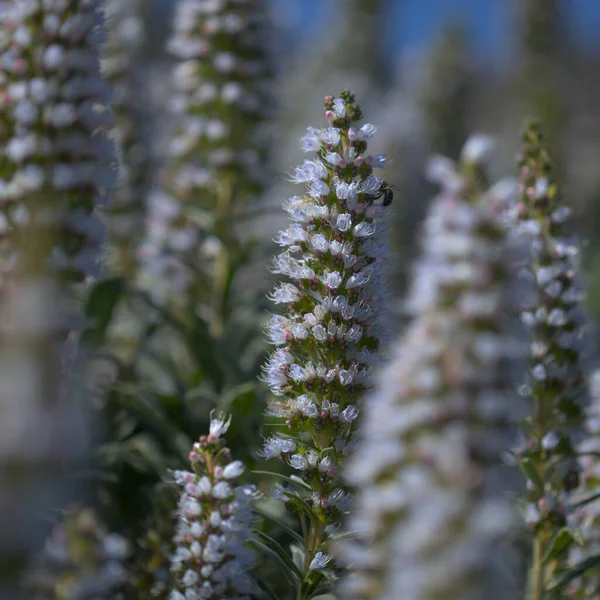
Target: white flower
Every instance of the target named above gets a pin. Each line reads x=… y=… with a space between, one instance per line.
x=550 y=441
x=311 y=142
x=344 y=222
x=541 y=187
x=219 y=426
x=349 y=414
x=224 y=62
x=339 y=107
x=332 y=280
x=318 y=188
x=329 y=136
x=275 y=446
x=192 y=508
x=233 y=470
x=320 y=561
x=297 y=461
x=478 y=149
x=221 y=490
x=333 y=158
x=366 y=132
x=306 y=406
x=190 y=578
x=364 y=229
x=232 y=91
x=379 y=161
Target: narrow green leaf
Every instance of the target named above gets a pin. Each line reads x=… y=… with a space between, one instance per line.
x=299 y=481
x=560 y=544
x=99 y=308
x=298 y=555
x=585 y=501
x=242 y=397
x=529 y=470
x=277 y=547
x=265 y=588
x=578 y=570
x=277 y=521
x=285 y=478
x=269 y=552
x=300 y=504
x=313 y=584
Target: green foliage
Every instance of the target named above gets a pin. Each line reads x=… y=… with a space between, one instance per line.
x=446 y=99
x=100 y=305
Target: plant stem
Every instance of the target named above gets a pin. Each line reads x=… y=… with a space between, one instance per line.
x=222 y=261
x=304 y=529
x=537 y=582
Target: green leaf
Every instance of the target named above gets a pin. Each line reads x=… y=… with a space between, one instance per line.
x=314 y=584
x=205 y=348
x=585 y=501
x=201 y=395
x=99 y=308
x=298 y=555
x=343 y=535
x=561 y=543
x=294 y=482
x=265 y=588
x=530 y=472
x=277 y=547
x=277 y=521
x=241 y=398
x=289 y=574
x=576 y=571
x=300 y=504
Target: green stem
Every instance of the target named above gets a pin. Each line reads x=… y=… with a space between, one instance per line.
x=223 y=260
x=537 y=580
x=304 y=529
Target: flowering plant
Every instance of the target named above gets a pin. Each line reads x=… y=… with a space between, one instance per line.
x=328 y=338
x=428 y=515
x=211 y=560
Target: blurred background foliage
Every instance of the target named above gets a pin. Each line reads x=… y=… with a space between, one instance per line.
x=427 y=73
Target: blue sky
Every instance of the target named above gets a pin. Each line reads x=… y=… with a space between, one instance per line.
x=413 y=23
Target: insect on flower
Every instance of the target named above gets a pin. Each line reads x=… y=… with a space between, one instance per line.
x=386 y=191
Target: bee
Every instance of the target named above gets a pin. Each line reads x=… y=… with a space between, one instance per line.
x=386 y=192
x=388 y=197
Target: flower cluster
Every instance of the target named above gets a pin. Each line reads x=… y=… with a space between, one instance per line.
x=586 y=517
x=214 y=158
x=428 y=512
x=556 y=322
x=219 y=84
x=211 y=560
x=123 y=68
x=328 y=337
x=80 y=561
x=53 y=164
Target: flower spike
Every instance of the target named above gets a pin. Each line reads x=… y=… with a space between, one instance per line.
x=329 y=334
x=212 y=560
x=427 y=516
